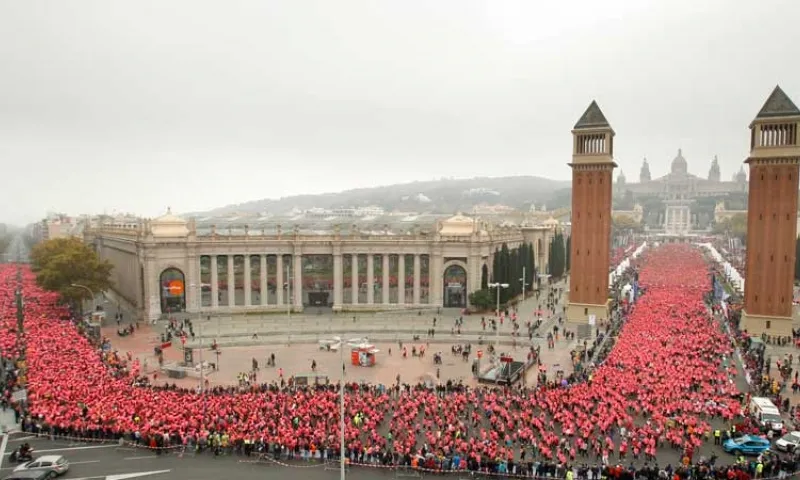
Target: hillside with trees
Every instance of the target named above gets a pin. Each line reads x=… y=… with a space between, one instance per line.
x=439 y=196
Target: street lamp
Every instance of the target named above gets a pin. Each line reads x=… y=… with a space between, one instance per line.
x=198 y=301
x=341 y=412
x=91 y=293
x=288 y=307
x=498 y=286
x=524 y=285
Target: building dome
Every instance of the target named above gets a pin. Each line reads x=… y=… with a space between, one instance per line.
x=169 y=225
x=679 y=164
x=551 y=222
x=458 y=225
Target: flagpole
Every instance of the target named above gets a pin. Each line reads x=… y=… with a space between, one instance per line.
x=341 y=413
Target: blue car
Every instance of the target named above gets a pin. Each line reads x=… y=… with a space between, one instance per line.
x=746 y=445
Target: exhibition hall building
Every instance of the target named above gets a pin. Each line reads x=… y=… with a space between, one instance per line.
x=171 y=264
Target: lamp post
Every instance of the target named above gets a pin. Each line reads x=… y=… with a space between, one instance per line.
x=198 y=301
x=288 y=307
x=524 y=285
x=91 y=293
x=498 y=286
x=341 y=413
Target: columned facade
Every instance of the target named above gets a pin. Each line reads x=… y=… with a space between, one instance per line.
x=592 y=173
x=230 y=273
x=772 y=217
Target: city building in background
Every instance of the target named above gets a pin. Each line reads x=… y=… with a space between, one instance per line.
x=679 y=203
x=60 y=225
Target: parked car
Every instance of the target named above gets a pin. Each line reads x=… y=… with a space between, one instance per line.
x=746 y=445
x=788 y=442
x=55 y=464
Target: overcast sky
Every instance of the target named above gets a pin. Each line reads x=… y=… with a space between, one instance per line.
x=139 y=105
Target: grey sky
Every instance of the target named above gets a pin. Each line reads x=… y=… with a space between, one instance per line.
x=137 y=105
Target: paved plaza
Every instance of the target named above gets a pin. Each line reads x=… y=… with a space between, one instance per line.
x=295 y=343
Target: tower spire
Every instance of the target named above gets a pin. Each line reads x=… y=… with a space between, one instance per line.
x=592 y=118
x=778 y=104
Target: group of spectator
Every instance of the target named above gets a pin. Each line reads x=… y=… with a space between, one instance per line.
x=661 y=385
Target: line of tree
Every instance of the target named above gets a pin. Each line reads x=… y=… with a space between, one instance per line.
x=558 y=259
x=735 y=226
x=507 y=268
x=62 y=263
x=5 y=242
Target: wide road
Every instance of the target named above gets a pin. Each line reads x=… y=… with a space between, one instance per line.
x=111 y=462
x=17 y=250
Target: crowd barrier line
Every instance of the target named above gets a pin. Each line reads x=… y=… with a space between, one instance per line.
x=471 y=473
x=268 y=458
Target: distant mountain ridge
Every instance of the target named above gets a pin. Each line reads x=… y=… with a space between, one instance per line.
x=436 y=196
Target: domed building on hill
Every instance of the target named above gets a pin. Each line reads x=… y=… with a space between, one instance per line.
x=678 y=201
x=680 y=184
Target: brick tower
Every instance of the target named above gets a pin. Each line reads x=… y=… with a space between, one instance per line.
x=772 y=217
x=592 y=170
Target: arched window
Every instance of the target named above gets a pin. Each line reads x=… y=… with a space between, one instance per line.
x=172 y=284
x=455 y=287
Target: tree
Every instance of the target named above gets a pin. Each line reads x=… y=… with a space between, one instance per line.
x=624 y=222
x=484 y=277
x=482 y=299
x=568 y=252
x=61 y=263
x=531 y=267
x=558 y=255
x=507 y=268
x=735 y=226
x=5 y=241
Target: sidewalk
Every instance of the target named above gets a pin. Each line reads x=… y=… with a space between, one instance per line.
x=8 y=423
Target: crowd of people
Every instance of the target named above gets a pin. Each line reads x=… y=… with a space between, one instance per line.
x=661 y=386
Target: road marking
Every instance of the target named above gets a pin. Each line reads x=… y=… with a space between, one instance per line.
x=22 y=439
x=122 y=476
x=3 y=446
x=139 y=458
x=70 y=463
x=35 y=451
x=125 y=476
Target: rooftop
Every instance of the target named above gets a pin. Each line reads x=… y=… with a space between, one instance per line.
x=592 y=118
x=778 y=105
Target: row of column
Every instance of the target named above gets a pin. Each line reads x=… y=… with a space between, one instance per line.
x=297 y=284
x=338 y=280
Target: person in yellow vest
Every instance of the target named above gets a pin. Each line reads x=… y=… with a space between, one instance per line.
x=717 y=436
x=570 y=474
x=759 y=469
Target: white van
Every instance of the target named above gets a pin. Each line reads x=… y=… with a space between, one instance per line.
x=766 y=413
